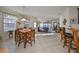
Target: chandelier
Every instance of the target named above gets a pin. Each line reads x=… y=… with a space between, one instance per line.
x=23 y=19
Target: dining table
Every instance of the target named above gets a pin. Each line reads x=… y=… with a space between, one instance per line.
x=24 y=30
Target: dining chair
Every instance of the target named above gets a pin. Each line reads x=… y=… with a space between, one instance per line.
x=28 y=38
x=62 y=32
x=17 y=35
x=21 y=38
x=10 y=34
x=76 y=39
x=67 y=38
x=68 y=41
x=33 y=35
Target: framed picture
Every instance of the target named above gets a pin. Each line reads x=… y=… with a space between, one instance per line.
x=73 y=21
x=64 y=21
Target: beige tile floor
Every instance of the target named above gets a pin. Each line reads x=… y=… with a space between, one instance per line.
x=43 y=44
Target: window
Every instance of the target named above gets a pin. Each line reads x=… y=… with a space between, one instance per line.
x=9 y=23
x=26 y=23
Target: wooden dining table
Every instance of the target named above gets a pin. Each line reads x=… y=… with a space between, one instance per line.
x=24 y=30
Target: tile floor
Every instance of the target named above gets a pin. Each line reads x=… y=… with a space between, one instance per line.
x=49 y=43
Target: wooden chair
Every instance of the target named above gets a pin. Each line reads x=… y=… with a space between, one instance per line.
x=33 y=35
x=68 y=41
x=62 y=30
x=28 y=38
x=21 y=38
x=10 y=34
x=17 y=35
x=76 y=39
x=67 y=38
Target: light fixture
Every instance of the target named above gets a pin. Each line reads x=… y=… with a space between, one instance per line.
x=23 y=19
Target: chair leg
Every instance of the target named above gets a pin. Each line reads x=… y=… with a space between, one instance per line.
x=18 y=44
x=65 y=41
x=9 y=35
x=69 y=45
x=25 y=44
x=34 y=41
x=31 y=43
x=77 y=50
x=15 y=39
x=61 y=38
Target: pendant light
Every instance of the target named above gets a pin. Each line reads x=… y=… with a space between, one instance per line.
x=23 y=19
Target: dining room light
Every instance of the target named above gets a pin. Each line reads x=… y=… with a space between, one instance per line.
x=23 y=19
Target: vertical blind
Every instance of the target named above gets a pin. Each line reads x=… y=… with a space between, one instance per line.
x=9 y=23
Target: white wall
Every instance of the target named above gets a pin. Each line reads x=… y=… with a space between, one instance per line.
x=74 y=14
x=1 y=28
x=69 y=12
x=64 y=15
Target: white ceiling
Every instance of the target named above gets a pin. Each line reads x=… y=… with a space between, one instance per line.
x=42 y=12
x=38 y=10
